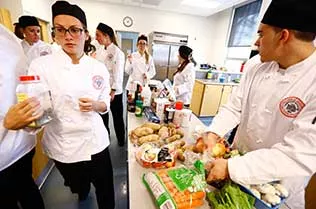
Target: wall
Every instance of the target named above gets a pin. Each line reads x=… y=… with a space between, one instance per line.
x=39 y=8
x=15 y=8
x=199 y=29
x=220 y=32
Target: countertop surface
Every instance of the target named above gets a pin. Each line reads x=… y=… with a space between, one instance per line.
x=212 y=82
x=139 y=196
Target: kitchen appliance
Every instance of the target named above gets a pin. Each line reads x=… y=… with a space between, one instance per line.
x=164 y=49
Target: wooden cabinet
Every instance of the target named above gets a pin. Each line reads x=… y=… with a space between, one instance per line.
x=197 y=97
x=40 y=160
x=211 y=100
x=227 y=90
x=208 y=97
x=5 y=18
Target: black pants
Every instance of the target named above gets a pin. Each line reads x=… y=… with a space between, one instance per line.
x=17 y=185
x=117 y=115
x=98 y=171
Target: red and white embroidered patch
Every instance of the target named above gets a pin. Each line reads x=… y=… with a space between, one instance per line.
x=291 y=106
x=98 y=81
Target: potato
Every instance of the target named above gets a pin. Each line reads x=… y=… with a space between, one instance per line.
x=149 y=138
x=163 y=132
x=180 y=132
x=173 y=138
x=143 y=131
x=153 y=126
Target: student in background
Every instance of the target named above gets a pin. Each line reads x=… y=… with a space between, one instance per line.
x=32 y=45
x=113 y=58
x=17 y=147
x=76 y=139
x=184 y=77
x=140 y=65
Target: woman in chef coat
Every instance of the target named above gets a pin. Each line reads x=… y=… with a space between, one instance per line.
x=113 y=58
x=76 y=139
x=184 y=77
x=32 y=45
x=139 y=65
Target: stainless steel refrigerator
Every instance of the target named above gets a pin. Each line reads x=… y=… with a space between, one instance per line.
x=164 y=49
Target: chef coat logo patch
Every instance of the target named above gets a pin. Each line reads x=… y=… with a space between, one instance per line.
x=97 y=81
x=44 y=53
x=110 y=57
x=291 y=106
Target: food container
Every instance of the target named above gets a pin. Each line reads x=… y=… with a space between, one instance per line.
x=186 y=117
x=169 y=114
x=31 y=86
x=259 y=204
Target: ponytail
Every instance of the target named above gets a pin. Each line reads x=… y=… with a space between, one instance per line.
x=146 y=56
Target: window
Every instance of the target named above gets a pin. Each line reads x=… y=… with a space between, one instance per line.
x=244 y=25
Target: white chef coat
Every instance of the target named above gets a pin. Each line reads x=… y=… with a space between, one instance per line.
x=137 y=68
x=13 y=144
x=38 y=49
x=275 y=109
x=183 y=83
x=73 y=136
x=114 y=60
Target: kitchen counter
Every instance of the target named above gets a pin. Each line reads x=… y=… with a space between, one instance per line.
x=212 y=82
x=139 y=196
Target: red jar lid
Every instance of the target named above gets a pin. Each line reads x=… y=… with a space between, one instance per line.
x=29 y=77
x=178 y=105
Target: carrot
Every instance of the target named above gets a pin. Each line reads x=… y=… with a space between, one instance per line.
x=198 y=195
x=190 y=204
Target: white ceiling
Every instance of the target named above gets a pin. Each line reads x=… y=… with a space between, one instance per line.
x=177 y=6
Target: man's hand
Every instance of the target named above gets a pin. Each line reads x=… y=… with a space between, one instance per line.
x=88 y=105
x=219 y=170
x=22 y=114
x=112 y=95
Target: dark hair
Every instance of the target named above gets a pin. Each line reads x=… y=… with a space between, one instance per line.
x=18 y=31
x=186 y=53
x=88 y=47
x=303 y=36
x=142 y=37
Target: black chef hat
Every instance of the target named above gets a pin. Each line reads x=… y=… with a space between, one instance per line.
x=64 y=8
x=106 y=29
x=292 y=14
x=25 y=21
x=185 y=51
x=142 y=37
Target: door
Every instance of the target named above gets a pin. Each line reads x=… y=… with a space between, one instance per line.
x=127 y=46
x=161 y=57
x=173 y=61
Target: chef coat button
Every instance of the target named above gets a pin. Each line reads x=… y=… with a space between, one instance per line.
x=258 y=141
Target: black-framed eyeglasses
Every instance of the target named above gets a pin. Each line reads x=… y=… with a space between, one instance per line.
x=73 y=31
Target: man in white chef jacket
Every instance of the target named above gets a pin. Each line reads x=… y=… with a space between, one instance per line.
x=16 y=146
x=275 y=106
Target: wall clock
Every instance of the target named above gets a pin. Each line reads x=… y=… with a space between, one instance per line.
x=127 y=21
